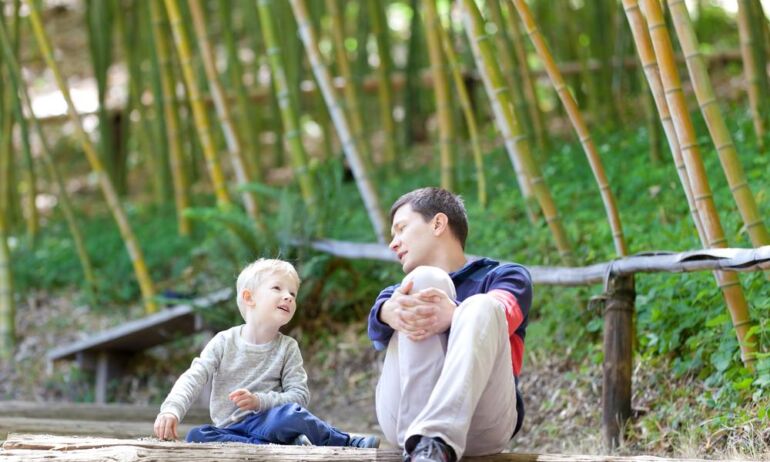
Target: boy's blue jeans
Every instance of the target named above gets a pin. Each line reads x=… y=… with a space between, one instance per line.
x=279 y=425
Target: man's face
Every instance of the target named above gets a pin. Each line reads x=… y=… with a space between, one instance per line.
x=413 y=238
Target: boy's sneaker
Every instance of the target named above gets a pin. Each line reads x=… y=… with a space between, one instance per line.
x=301 y=440
x=364 y=441
x=430 y=450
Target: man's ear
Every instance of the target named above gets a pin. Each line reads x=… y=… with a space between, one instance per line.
x=439 y=224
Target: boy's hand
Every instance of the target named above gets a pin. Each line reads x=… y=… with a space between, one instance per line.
x=244 y=399
x=165 y=426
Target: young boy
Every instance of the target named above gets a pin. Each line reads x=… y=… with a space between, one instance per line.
x=259 y=386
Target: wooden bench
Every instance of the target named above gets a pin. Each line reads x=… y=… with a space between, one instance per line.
x=107 y=352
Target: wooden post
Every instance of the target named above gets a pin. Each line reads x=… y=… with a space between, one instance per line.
x=618 y=356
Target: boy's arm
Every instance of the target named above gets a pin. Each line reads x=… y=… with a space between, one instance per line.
x=293 y=381
x=189 y=385
x=379 y=332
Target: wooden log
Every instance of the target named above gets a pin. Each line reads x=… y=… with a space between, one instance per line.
x=618 y=357
x=52 y=448
x=649 y=262
x=104 y=428
x=91 y=411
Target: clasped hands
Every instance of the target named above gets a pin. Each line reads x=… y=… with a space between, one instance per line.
x=419 y=315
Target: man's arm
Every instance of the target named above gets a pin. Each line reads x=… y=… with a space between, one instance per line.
x=379 y=331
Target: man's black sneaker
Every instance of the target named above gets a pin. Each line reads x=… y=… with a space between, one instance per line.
x=364 y=441
x=430 y=450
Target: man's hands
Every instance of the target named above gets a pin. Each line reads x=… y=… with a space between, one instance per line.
x=166 y=426
x=419 y=315
x=244 y=399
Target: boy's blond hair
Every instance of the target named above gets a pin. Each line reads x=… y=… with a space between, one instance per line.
x=253 y=274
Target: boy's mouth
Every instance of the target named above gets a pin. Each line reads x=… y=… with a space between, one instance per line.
x=284 y=308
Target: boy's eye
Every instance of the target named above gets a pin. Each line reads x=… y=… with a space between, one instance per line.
x=276 y=288
x=293 y=294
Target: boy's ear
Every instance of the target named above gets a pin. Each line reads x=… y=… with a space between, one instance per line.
x=247 y=297
x=440 y=223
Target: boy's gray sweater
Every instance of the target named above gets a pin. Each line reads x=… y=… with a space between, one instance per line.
x=272 y=371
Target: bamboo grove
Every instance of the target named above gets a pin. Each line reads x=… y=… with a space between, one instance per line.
x=219 y=93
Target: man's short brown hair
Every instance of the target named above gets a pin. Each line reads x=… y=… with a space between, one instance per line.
x=430 y=201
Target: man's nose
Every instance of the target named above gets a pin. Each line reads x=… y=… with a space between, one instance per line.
x=394 y=244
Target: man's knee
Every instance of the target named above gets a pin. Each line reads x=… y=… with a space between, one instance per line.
x=425 y=277
x=480 y=306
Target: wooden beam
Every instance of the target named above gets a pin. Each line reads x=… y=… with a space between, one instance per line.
x=618 y=357
x=87 y=428
x=50 y=448
x=91 y=411
x=731 y=259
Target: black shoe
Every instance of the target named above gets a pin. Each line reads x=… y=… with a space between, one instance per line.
x=430 y=450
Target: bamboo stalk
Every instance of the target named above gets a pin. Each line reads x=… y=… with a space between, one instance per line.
x=232 y=138
x=441 y=93
x=7 y=305
x=379 y=28
x=30 y=207
x=527 y=80
x=200 y=115
x=113 y=202
x=577 y=122
x=720 y=135
x=728 y=282
x=515 y=141
x=14 y=72
x=249 y=120
x=349 y=90
x=506 y=58
x=289 y=114
x=650 y=66
x=171 y=119
x=367 y=191
x=470 y=118
x=151 y=150
x=751 y=69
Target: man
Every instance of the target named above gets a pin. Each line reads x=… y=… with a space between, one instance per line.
x=448 y=384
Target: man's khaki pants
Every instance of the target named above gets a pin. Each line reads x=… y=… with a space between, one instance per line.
x=457 y=386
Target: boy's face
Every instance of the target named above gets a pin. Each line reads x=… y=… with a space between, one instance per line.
x=273 y=301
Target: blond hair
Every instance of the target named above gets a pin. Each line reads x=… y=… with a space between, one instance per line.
x=253 y=274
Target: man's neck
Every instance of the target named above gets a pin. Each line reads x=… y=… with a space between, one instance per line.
x=450 y=261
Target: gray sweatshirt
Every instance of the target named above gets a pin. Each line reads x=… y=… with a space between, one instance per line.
x=272 y=371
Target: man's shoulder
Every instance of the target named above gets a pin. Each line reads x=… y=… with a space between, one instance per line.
x=488 y=267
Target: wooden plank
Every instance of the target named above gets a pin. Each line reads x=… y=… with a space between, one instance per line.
x=143 y=333
x=44 y=447
x=91 y=411
x=733 y=259
x=101 y=428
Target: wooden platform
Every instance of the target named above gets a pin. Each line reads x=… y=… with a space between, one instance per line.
x=100 y=420
x=21 y=447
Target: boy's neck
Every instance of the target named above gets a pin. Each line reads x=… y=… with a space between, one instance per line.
x=258 y=334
